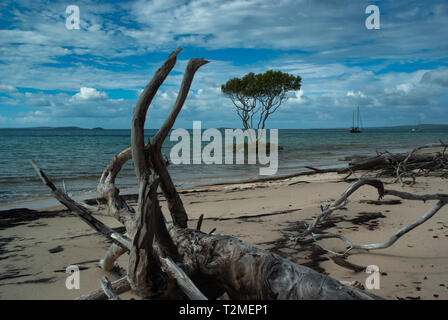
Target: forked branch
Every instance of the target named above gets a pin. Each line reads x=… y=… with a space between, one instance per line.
x=137 y=138
x=175 y=205
x=144 y=274
x=192 y=66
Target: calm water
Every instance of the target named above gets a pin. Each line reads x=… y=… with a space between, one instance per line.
x=78 y=157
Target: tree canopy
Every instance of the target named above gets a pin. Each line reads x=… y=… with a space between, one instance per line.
x=260 y=95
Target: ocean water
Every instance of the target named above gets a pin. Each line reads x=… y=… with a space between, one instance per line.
x=78 y=157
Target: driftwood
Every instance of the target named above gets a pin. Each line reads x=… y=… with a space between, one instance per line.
x=119 y=286
x=309 y=235
x=199 y=224
x=219 y=264
x=171 y=261
x=81 y=211
x=341 y=261
x=108 y=289
x=403 y=165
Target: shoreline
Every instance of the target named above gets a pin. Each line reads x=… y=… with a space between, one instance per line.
x=41 y=203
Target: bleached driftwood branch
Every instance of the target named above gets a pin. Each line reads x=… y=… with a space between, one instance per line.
x=402 y=165
x=342 y=200
x=182 y=279
x=119 y=286
x=108 y=289
x=81 y=211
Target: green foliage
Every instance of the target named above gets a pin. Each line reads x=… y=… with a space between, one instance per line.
x=270 y=83
x=257 y=96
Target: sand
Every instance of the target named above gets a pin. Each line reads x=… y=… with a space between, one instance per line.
x=264 y=214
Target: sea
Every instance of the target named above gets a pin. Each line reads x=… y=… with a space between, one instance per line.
x=76 y=157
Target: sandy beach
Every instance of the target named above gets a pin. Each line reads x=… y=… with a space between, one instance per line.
x=36 y=246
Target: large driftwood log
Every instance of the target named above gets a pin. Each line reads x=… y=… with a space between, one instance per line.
x=219 y=264
x=216 y=264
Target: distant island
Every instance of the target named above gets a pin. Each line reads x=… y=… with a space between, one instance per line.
x=57 y=128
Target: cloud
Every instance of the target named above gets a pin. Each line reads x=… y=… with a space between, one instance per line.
x=298 y=97
x=89 y=94
x=358 y=93
x=327 y=28
x=439 y=77
x=7 y=88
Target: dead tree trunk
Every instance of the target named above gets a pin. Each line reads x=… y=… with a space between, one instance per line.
x=219 y=263
x=170 y=261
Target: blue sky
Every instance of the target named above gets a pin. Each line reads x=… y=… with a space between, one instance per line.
x=91 y=77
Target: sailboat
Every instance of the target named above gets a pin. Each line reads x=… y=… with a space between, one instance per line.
x=357 y=128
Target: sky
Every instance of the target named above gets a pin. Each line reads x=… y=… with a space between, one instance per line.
x=92 y=76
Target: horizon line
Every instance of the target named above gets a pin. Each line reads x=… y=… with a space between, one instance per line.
x=100 y=128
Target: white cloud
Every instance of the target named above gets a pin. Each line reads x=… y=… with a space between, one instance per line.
x=7 y=88
x=297 y=97
x=88 y=94
x=405 y=87
x=358 y=93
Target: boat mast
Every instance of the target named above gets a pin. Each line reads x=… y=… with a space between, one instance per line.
x=360 y=120
x=357 y=123
x=353 y=119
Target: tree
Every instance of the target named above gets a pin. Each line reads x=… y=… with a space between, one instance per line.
x=260 y=95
